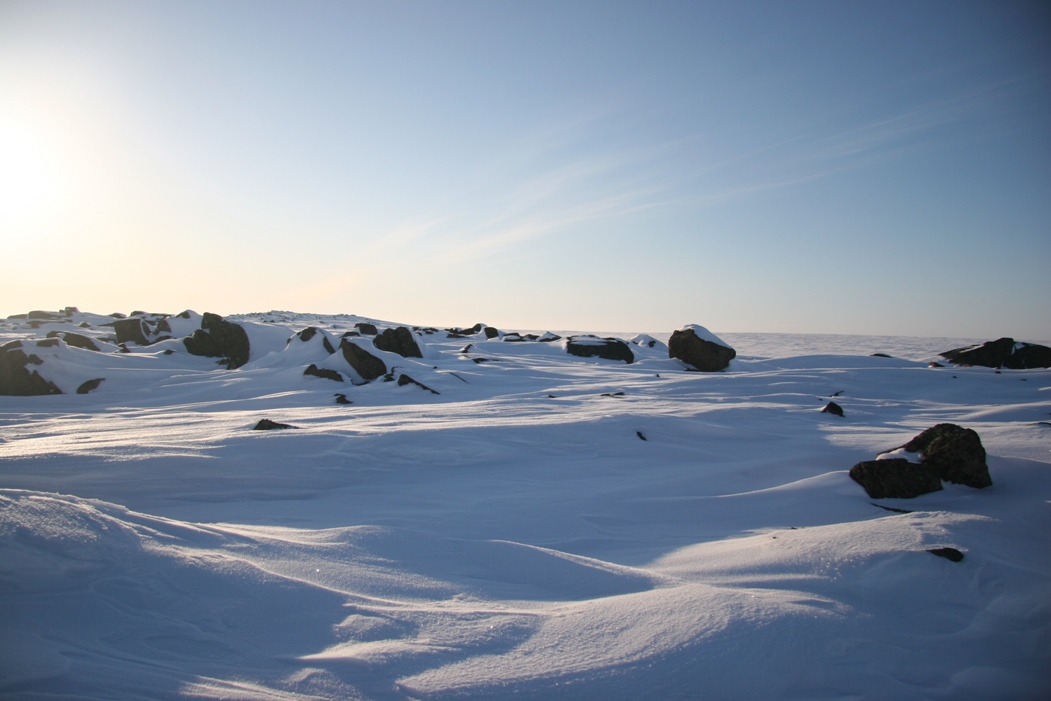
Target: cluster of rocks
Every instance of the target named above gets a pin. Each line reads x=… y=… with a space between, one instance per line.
x=944 y=452
x=1002 y=353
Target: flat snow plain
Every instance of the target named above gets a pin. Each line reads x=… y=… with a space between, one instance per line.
x=529 y=532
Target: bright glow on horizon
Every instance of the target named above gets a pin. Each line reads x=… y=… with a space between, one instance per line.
x=818 y=167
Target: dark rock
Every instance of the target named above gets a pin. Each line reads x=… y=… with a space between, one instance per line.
x=309 y=333
x=1003 y=352
x=366 y=328
x=16 y=379
x=955 y=453
x=38 y=314
x=74 y=339
x=315 y=371
x=891 y=508
x=139 y=312
x=639 y=434
x=466 y=348
x=612 y=394
x=342 y=399
x=90 y=385
x=185 y=314
x=703 y=354
x=594 y=347
x=84 y=325
x=18 y=316
x=130 y=331
x=895 y=478
x=268 y=425
x=364 y=363
x=118 y=315
x=163 y=326
x=490 y=332
x=47 y=343
x=479 y=361
x=880 y=355
x=934 y=364
x=406 y=380
x=218 y=338
x=400 y=341
x=833 y=408
x=513 y=338
x=549 y=337
x=948 y=553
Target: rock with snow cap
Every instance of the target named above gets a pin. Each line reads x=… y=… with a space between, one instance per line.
x=587 y=346
x=398 y=340
x=700 y=348
x=1001 y=353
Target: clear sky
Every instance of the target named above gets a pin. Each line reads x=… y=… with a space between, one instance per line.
x=838 y=167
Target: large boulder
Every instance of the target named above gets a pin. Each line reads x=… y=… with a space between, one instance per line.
x=944 y=452
x=400 y=341
x=700 y=348
x=130 y=331
x=594 y=347
x=364 y=363
x=955 y=453
x=895 y=478
x=17 y=378
x=218 y=338
x=1003 y=352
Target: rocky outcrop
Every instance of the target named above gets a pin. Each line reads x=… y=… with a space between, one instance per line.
x=944 y=452
x=17 y=378
x=1002 y=353
x=218 y=338
x=400 y=341
x=368 y=366
x=700 y=348
x=595 y=347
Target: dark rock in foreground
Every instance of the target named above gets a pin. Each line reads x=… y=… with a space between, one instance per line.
x=948 y=553
x=315 y=371
x=702 y=350
x=832 y=408
x=364 y=363
x=268 y=425
x=595 y=347
x=400 y=341
x=74 y=339
x=895 y=478
x=955 y=453
x=946 y=452
x=90 y=385
x=130 y=331
x=16 y=377
x=218 y=338
x=1002 y=353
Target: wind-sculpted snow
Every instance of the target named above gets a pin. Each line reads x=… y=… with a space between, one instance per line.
x=548 y=526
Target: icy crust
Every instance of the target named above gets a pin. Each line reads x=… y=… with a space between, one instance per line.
x=705 y=335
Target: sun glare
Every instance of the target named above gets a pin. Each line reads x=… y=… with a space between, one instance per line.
x=28 y=184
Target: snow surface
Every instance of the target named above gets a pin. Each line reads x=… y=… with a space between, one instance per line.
x=528 y=533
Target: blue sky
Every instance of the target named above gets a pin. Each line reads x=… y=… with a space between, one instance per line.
x=836 y=167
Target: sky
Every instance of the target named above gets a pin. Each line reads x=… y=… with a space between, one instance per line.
x=798 y=167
